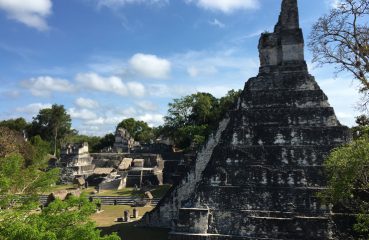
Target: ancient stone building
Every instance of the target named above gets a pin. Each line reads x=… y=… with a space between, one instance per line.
x=258 y=174
x=75 y=160
x=123 y=141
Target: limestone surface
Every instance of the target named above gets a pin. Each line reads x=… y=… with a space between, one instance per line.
x=258 y=175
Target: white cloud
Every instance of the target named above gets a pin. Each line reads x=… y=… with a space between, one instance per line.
x=86 y=103
x=112 y=84
x=104 y=121
x=152 y=119
x=45 y=85
x=169 y=91
x=333 y=3
x=208 y=63
x=33 y=108
x=226 y=6
x=150 y=66
x=204 y=70
x=136 y=89
x=343 y=97
x=147 y=106
x=217 y=23
x=11 y=94
x=217 y=91
x=29 y=12
x=83 y=114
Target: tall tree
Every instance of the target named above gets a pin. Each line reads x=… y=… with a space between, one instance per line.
x=341 y=38
x=19 y=124
x=362 y=128
x=348 y=182
x=190 y=119
x=139 y=130
x=12 y=142
x=52 y=124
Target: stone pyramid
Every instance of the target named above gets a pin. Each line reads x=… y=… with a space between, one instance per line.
x=258 y=175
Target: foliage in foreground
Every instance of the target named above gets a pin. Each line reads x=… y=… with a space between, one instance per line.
x=21 y=180
x=61 y=220
x=348 y=185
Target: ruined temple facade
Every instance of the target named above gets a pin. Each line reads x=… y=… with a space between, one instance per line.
x=258 y=174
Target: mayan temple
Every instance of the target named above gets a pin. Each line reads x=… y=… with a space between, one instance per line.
x=258 y=174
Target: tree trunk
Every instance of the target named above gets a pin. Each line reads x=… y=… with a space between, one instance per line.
x=55 y=137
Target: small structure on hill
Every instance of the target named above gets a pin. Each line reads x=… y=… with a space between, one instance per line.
x=125 y=164
x=75 y=161
x=123 y=141
x=80 y=182
x=144 y=172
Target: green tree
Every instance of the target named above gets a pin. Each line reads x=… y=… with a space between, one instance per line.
x=348 y=182
x=362 y=128
x=105 y=142
x=19 y=124
x=40 y=155
x=13 y=142
x=139 y=130
x=226 y=102
x=341 y=38
x=52 y=124
x=66 y=220
x=93 y=141
x=21 y=183
x=190 y=119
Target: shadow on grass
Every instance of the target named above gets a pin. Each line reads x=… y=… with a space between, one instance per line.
x=127 y=231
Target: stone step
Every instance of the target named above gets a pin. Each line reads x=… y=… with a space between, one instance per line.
x=310 y=116
x=285 y=136
x=272 y=155
x=264 y=198
x=110 y=200
x=283 y=81
x=283 y=98
x=186 y=236
x=266 y=175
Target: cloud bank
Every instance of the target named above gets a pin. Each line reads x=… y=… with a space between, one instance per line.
x=32 y=13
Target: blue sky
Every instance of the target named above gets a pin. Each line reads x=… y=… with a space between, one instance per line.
x=106 y=60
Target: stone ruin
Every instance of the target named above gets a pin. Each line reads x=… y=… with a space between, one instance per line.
x=258 y=175
x=138 y=169
x=75 y=161
x=123 y=141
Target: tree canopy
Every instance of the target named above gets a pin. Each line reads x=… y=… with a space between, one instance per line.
x=190 y=119
x=67 y=220
x=20 y=183
x=348 y=182
x=341 y=38
x=52 y=124
x=139 y=130
x=19 y=124
x=362 y=128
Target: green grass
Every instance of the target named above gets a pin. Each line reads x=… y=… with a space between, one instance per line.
x=55 y=188
x=126 y=192
x=127 y=231
x=105 y=221
x=157 y=192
